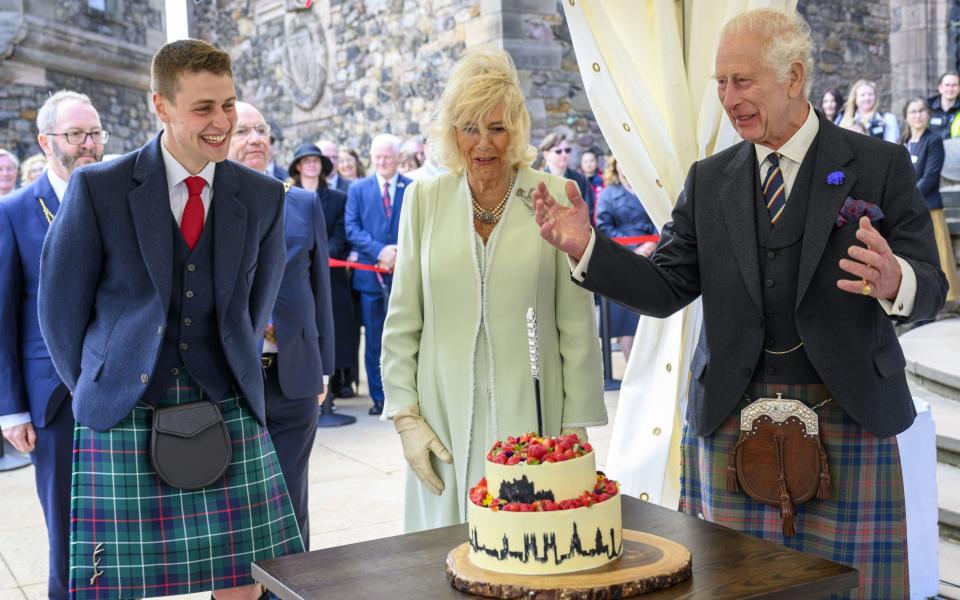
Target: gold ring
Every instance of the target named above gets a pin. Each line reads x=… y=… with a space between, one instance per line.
x=866 y=289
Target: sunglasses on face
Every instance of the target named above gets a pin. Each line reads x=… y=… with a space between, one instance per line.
x=562 y=150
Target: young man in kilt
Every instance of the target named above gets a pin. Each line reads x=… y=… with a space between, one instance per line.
x=800 y=292
x=171 y=258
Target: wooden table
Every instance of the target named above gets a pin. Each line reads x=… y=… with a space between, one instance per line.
x=726 y=564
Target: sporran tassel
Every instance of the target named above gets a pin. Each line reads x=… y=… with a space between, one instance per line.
x=823 y=492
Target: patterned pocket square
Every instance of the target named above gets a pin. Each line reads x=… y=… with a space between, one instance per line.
x=853 y=209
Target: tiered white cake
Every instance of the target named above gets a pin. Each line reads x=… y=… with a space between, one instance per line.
x=543 y=509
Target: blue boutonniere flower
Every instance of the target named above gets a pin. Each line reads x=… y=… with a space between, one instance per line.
x=835 y=178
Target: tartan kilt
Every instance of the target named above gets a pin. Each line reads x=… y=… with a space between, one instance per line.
x=157 y=540
x=862 y=525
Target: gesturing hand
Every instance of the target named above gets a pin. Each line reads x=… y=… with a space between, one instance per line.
x=566 y=228
x=875 y=266
x=22 y=437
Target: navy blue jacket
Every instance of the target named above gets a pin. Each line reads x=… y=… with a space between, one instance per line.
x=368 y=228
x=27 y=376
x=109 y=254
x=303 y=313
x=620 y=214
x=927 y=156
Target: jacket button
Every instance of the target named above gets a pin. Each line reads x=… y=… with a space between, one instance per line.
x=191 y=267
x=160 y=330
x=769 y=283
x=771 y=254
x=188 y=321
x=184 y=346
x=174 y=371
x=771 y=371
x=188 y=294
x=144 y=378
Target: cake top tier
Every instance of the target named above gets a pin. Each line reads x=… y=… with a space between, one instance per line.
x=531 y=449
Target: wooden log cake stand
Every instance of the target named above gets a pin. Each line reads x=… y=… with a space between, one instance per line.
x=649 y=563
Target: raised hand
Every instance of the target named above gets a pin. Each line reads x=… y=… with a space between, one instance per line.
x=566 y=228
x=875 y=266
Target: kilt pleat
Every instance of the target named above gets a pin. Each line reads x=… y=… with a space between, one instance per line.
x=862 y=525
x=152 y=539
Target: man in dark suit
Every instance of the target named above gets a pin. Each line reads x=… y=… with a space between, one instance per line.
x=801 y=280
x=334 y=181
x=35 y=412
x=157 y=280
x=298 y=342
x=372 y=223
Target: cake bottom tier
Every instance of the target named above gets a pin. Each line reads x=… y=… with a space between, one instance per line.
x=545 y=543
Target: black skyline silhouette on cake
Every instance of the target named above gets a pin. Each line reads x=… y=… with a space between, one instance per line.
x=522 y=491
x=549 y=547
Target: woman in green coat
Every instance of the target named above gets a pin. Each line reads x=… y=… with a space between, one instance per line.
x=470 y=263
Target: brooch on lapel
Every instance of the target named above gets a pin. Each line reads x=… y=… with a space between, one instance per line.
x=853 y=209
x=527 y=197
x=835 y=178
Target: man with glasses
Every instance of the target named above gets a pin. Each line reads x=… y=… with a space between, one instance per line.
x=298 y=351
x=35 y=412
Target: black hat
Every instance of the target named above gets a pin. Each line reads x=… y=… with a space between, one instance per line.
x=305 y=150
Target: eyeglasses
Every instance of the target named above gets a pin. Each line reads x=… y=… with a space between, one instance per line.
x=562 y=150
x=245 y=132
x=79 y=138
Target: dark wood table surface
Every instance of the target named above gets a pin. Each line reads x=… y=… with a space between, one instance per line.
x=726 y=564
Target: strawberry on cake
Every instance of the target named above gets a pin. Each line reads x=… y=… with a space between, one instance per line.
x=543 y=508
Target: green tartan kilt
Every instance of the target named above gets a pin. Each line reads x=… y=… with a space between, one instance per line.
x=156 y=540
x=862 y=525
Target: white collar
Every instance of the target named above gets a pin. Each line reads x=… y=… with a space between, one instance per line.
x=59 y=185
x=796 y=147
x=176 y=172
x=392 y=181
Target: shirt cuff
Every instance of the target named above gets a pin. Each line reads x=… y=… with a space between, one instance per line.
x=11 y=421
x=902 y=305
x=326 y=379
x=578 y=270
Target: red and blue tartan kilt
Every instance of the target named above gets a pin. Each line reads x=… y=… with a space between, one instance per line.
x=156 y=540
x=862 y=525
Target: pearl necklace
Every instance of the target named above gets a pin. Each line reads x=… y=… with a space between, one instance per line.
x=488 y=216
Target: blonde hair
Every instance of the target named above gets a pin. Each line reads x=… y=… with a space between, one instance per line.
x=611 y=174
x=480 y=81
x=27 y=165
x=13 y=157
x=850 y=106
x=785 y=40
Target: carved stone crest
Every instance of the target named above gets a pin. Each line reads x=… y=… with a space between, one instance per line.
x=305 y=58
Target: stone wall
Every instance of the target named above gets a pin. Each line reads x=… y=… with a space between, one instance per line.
x=47 y=46
x=348 y=70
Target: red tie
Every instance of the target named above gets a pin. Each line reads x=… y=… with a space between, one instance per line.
x=386 y=198
x=191 y=223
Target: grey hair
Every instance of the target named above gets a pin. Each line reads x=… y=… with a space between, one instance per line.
x=386 y=139
x=47 y=115
x=785 y=37
x=12 y=156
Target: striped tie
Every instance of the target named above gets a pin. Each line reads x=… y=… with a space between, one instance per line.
x=773 y=189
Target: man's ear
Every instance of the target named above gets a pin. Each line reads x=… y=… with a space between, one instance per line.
x=160 y=107
x=796 y=76
x=44 y=142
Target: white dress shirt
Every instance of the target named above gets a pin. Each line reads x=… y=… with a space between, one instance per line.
x=176 y=174
x=792 y=153
x=393 y=187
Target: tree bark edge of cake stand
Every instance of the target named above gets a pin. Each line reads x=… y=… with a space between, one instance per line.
x=623 y=578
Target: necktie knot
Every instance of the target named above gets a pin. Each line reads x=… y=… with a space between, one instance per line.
x=774 y=159
x=195 y=184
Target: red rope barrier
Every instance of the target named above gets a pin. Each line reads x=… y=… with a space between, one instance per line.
x=637 y=239
x=337 y=263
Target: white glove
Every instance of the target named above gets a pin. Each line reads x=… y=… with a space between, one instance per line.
x=580 y=431
x=418 y=441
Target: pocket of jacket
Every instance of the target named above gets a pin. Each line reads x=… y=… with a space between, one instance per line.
x=889 y=359
x=91 y=363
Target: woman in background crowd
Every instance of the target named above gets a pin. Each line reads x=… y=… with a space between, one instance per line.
x=620 y=214
x=556 y=160
x=32 y=168
x=407 y=162
x=8 y=172
x=590 y=167
x=862 y=108
x=926 y=152
x=308 y=167
x=831 y=104
x=470 y=263
x=350 y=166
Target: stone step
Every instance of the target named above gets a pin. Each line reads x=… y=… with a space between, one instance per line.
x=946 y=419
x=948 y=500
x=933 y=357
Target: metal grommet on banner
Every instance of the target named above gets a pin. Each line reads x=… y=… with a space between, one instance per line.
x=659 y=183
x=644 y=496
x=657 y=431
x=626 y=127
x=596 y=67
x=669 y=367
